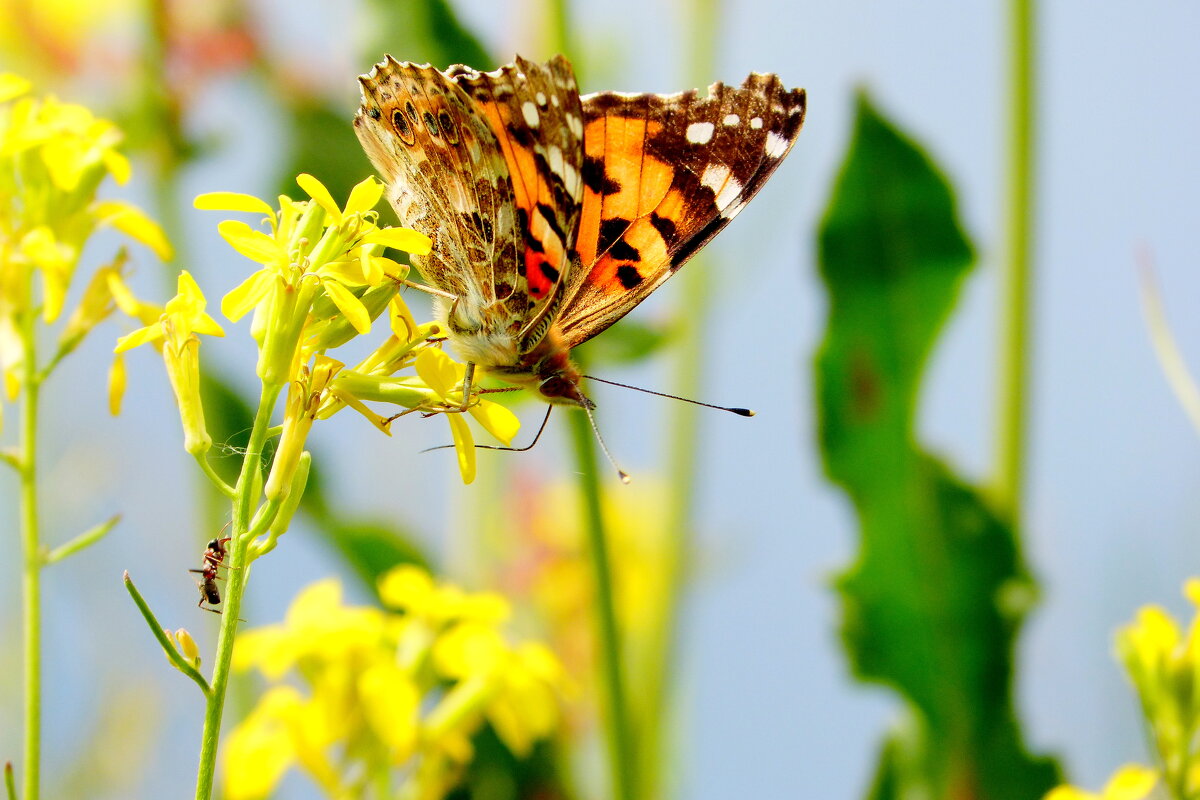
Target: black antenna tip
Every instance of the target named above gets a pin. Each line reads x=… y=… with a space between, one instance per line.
x=624 y=476
x=742 y=412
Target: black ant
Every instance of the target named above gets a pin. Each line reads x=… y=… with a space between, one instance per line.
x=209 y=592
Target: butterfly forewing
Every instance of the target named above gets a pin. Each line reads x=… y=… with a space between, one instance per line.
x=535 y=114
x=662 y=175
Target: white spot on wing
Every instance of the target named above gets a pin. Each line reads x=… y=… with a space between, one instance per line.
x=575 y=125
x=541 y=98
x=756 y=123
x=776 y=144
x=530 y=112
x=724 y=185
x=732 y=119
x=699 y=132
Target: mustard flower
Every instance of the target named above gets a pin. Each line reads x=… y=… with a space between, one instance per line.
x=1130 y=782
x=1163 y=662
x=387 y=693
x=322 y=282
x=445 y=376
x=174 y=334
x=53 y=158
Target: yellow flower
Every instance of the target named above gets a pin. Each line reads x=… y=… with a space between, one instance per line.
x=387 y=695
x=1130 y=782
x=445 y=377
x=174 y=334
x=319 y=261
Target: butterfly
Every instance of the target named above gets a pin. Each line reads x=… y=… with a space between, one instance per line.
x=552 y=215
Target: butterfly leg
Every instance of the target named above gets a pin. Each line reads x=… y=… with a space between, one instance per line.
x=468 y=379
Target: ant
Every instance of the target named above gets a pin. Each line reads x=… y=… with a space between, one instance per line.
x=213 y=556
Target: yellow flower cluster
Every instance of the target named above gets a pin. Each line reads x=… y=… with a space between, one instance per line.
x=1164 y=664
x=387 y=695
x=323 y=280
x=53 y=158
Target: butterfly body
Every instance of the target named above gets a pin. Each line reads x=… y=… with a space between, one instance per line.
x=551 y=214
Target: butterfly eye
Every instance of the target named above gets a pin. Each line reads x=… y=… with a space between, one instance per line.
x=403 y=129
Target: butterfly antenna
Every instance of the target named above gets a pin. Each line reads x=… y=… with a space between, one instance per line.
x=742 y=412
x=622 y=474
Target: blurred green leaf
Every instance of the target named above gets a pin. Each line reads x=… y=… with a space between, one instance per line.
x=626 y=342
x=424 y=31
x=933 y=602
x=496 y=774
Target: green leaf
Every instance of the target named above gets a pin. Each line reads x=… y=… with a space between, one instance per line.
x=933 y=602
x=627 y=342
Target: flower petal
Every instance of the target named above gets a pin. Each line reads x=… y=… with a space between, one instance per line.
x=317 y=191
x=404 y=239
x=12 y=85
x=116 y=384
x=356 y=313
x=496 y=420
x=1131 y=782
x=254 y=245
x=150 y=333
x=438 y=371
x=464 y=446
x=232 y=201
x=246 y=295
x=364 y=196
x=131 y=221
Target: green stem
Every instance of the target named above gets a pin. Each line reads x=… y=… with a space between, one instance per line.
x=1015 y=317
x=31 y=581
x=621 y=752
x=249 y=481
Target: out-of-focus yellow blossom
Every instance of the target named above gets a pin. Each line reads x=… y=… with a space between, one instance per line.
x=1130 y=782
x=1163 y=662
x=391 y=694
x=174 y=334
x=53 y=158
x=322 y=282
x=542 y=551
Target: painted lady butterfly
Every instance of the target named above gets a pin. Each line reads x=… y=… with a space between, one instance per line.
x=552 y=215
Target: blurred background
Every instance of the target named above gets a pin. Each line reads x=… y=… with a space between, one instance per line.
x=254 y=92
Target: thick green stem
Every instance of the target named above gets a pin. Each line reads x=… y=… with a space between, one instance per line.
x=31 y=579
x=248 y=483
x=1015 y=312
x=622 y=754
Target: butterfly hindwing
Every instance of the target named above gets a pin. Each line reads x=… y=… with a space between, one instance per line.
x=662 y=175
x=535 y=113
x=446 y=178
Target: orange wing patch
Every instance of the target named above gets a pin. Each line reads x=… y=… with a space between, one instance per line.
x=662 y=175
x=536 y=115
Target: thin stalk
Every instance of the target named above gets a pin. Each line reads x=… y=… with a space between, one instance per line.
x=615 y=713
x=1015 y=297
x=248 y=481
x=692 y=317
x=31 y=579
